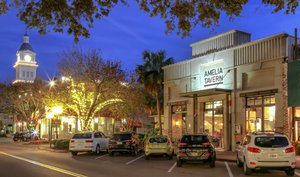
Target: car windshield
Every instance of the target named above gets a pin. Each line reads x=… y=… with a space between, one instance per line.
x=82 y=136
x=271 y=141
x=122 y=137
x=158 y=140
x=194 y=139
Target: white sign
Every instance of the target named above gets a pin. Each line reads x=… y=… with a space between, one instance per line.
x=212 y=73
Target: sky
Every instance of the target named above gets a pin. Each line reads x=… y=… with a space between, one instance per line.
x=127 y=32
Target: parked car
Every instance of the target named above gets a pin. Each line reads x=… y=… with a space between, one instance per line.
x=26 y=136
x=88 y=142
x=125 y=142
x=196 y=148
x=268 y=150
x=159 y=145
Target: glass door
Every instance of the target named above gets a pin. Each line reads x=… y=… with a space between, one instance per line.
x=214 y=122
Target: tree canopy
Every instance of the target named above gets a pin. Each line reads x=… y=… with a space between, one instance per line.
x=76 y=17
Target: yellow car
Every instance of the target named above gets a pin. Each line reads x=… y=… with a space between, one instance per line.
x=159 y=145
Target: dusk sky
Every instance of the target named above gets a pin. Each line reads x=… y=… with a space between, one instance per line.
x=127 y=32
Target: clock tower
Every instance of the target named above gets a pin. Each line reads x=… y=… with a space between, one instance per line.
x=26 y=64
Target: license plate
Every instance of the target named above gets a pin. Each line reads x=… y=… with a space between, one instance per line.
x=273 y=155
x=194 y=153
x=119 y=142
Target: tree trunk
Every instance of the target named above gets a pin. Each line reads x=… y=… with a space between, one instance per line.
x=158 y=115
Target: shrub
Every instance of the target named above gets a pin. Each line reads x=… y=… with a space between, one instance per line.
x=61 y=144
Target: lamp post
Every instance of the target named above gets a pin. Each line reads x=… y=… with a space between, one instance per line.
x=49 y=116
x=56 y=111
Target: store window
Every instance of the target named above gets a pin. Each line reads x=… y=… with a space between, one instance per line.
x=179 y=121
x=260 y=113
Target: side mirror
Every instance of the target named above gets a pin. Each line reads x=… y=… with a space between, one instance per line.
x=238 y=143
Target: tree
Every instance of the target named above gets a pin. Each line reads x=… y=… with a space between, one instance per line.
x=76 y=16
x=151 y=75
x=25 y=100
x=90 y=84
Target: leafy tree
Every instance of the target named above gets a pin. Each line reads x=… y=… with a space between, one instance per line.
x=151 y=75
x=90 y=84
x=76 y=16
x=25 y=100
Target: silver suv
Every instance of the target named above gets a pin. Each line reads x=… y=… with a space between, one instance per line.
x=268 y=150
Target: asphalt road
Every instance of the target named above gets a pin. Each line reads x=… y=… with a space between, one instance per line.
x=18 y=160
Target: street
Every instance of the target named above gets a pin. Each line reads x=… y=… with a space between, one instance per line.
x=17 y=159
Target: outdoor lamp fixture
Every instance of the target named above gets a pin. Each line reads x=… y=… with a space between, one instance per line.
x=49 y=116
x=124 y=121
x=177 y=123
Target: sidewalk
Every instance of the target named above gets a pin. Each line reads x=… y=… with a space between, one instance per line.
x=230 y=156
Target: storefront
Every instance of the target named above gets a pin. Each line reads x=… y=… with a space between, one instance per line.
x=230 y=87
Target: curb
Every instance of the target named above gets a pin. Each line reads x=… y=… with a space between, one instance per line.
x=53 y=150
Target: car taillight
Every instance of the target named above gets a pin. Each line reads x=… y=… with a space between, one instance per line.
x=206 y=144
x=89 y=141
x=289 y=150
x=182 y=144
x=129 y=141
x=253 y=149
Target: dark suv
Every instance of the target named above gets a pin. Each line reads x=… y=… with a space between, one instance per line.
x=125 y=142
x=196 y=148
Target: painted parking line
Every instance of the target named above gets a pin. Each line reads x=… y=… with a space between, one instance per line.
x=173 y=166
x=298 y=174
x=101 y=156
x=134 y=160
x=44 y=165
x=228 y=169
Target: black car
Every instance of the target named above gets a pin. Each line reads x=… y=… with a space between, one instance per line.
x=196 y=148
x=125 y=142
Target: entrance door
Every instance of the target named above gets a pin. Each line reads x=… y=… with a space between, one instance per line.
x=214 y=122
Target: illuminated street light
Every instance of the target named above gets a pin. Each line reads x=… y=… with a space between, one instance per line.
x=56 y=110
x=50 y=115
x=52 y=83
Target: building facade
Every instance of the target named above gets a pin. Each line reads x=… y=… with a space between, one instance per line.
x=26 y=64
x=230 y=87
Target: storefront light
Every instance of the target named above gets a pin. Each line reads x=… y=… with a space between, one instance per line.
x=19 y=124
x=177 y=123
x=96 y=120
x=271 y=118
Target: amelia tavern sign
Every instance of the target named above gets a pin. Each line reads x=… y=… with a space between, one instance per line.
x=212 y=73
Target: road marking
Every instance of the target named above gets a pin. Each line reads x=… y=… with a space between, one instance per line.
x=228 y=169
x=173 y=166
x=134 y=160
x=101 y=156
x=45 y=165
x=297 y=173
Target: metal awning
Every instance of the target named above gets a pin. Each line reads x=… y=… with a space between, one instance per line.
x=207 y=92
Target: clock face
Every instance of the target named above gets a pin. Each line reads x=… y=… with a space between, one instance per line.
x=27 y=58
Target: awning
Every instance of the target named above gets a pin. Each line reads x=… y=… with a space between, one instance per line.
x=207 y=92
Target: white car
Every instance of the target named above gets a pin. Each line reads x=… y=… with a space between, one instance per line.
x=88 y=142
x=266 y=150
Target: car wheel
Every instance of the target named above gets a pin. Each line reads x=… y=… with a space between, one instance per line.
x=98 y=150
x=290 y=172
x=111 y=153
x=74 y=153
x=170 y=156
x=238 y=162
x=179 y=163
x=247 y=171
x=146 y=157
x=24 y=139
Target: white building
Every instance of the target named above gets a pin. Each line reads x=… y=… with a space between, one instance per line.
x=231 y=86
x=26 y=64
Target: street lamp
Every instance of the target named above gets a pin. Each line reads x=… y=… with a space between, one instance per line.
x=49 y=116
x=56 y=111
